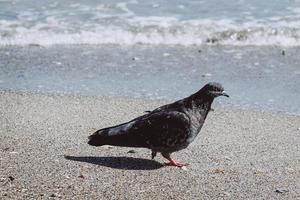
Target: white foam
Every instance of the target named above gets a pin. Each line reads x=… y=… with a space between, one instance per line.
x=153 y=31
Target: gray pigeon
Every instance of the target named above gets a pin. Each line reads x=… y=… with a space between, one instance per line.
x=167 y=129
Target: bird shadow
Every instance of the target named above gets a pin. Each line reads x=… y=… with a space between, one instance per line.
x=123 y=162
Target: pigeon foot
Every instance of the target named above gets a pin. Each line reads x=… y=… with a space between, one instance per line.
x=175 y=164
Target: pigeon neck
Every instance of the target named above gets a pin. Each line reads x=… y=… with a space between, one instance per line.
x=201 y=100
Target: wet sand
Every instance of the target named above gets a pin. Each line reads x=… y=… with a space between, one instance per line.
x=239 y=154
x=255 y=76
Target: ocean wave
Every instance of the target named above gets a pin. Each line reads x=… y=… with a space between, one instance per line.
x=152 y=31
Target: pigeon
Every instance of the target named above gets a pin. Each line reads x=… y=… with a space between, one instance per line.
x=166 y=129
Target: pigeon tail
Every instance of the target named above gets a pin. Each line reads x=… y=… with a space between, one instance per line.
x=116 y=136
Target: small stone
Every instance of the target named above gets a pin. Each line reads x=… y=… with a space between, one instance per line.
x=131 y=151
x=219 y=171
x=206 y=75
x=2 y=179
x=24 y=190
x=283 y=52
x=227 y=158
x=81 y=176
x=6 y=149
x=166 y=54
x=53 y=195
x=199 y=51
x=11 y=178
x=135 y=58
x=280 y=191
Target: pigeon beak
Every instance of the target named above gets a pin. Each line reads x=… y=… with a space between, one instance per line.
x=224 y=94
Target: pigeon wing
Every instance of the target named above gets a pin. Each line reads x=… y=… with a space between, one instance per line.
x=162 y=130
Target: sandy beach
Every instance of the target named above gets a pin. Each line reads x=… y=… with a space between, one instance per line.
x=239 y=154
x=69 y=68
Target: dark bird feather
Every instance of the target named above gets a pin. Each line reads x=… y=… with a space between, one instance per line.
x=167 y=129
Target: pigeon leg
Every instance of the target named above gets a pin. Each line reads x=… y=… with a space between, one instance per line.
x=153 y=154
x=171 y=161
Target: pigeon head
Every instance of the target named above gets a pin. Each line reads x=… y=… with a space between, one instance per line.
x=214 y=89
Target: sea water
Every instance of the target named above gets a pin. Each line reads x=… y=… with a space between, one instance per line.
x=154 y=49
x=193 y=22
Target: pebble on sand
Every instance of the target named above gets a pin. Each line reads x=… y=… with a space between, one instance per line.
x=227 y=158
x=280 y=191
x=206 y=75
x=81 y=176
x=135 y=58
x=219 y=171
x=55 y=195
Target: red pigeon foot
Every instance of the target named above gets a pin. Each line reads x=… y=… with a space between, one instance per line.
x=175 y=164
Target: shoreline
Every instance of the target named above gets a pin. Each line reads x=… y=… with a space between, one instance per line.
x=255 y=77
x=159 y=101
x=239 y=154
